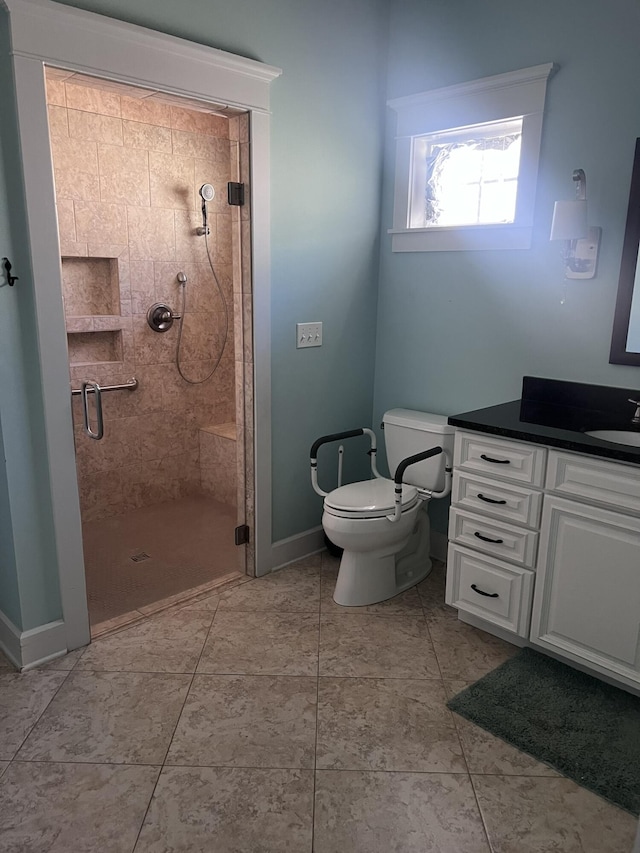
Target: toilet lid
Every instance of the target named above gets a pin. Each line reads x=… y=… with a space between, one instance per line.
x=369 y=497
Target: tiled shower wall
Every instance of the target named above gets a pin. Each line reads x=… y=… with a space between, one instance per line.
x=127 y=173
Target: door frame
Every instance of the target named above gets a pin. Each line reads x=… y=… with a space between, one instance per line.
x=47 y=33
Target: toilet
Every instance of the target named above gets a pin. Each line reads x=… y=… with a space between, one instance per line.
x=383 y=525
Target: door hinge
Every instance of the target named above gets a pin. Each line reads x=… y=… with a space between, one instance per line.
x=235 y=193
x=242 y=534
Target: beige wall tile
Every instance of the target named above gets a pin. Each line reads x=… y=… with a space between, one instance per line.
x=172 y=181
x=66 y=220
x=142 y=286
x=200 y=145
x=199 y=122
x=75 y=166
x=146 y=110
x=108 y=250
x=100 y=222
x=223 y=247
x=92 y=100
x=147 y=136
x=190 y=248
x=89 y=287
x=58 y=124
x=95 y=128
x=124 y=175
x=72 y=249
x=151 y=234
x=243 y=126
x=56 y=94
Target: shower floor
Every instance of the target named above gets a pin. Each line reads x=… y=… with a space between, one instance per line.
x=181 y=547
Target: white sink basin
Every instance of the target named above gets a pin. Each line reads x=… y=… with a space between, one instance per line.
x=617 y=436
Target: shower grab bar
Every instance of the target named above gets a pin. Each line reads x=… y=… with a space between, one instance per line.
x=88 y=387
x=131 y=385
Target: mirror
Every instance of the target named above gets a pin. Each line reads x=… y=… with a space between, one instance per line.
x=625 y=340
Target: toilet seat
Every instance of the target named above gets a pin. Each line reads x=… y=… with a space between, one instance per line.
x=368 y=499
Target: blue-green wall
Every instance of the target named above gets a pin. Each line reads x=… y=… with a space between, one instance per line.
x=457 y=331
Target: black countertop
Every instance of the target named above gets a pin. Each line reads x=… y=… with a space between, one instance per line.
x=557 y=414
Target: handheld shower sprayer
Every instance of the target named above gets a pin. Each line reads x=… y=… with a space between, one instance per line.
x=207 y=193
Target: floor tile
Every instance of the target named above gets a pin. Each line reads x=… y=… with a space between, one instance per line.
x=545 y=815
x=109 y=717
x=235 y=810
x=465 y=652
x=206 y=605
x=486 y=753
x=376 y=646
x=65 y=663
x=5 y=664
x=244 y=643
x=247 y=721
x=3 y=767
x=405 y=812
x=386 y=724
x=292 y=589
x=167 y=643
x=84 y=808
x=23 y=698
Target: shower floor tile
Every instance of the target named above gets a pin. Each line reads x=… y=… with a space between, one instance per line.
x=183 y=546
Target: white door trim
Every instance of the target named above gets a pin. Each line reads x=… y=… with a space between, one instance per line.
x=45 y=32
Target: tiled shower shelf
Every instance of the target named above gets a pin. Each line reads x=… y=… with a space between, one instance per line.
x=95 y=323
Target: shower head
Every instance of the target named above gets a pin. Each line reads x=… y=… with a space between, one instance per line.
x=207 y=192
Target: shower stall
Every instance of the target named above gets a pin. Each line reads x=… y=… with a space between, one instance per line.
x=157 y=295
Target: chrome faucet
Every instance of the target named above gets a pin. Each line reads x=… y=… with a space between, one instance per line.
x=636 y=418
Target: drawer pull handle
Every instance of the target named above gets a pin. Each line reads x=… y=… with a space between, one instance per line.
x=495 y=461
x=490 y=500
x=486 y=539
x=481 y=592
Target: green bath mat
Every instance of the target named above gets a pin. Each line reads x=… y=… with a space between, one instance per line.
x=584 y=728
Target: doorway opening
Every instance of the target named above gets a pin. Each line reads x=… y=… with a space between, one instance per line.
x=163 y=490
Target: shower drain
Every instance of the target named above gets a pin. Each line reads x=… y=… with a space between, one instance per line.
x=140 y=557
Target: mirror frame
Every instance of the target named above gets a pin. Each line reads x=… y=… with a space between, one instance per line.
x=619 y=353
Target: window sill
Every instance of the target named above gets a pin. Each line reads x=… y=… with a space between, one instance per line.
x=461 y=239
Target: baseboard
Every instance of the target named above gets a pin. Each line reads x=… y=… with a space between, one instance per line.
x=439 y=546
x=296 y=547
x=28 y=649
x=10 y=640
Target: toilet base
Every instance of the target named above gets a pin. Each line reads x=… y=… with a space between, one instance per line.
x=371 y=577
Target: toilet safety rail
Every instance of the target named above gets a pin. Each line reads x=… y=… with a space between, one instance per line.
x=89 y=387
x=424 y=494
x=339 y=436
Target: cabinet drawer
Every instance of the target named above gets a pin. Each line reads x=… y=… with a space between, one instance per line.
x=595 y=480
x=490 y=589
x=493 y=537
x=493 y=497
x=510 y=460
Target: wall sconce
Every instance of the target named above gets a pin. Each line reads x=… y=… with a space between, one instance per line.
x=581 y=241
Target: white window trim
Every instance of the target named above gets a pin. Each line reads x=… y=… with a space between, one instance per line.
x=503 y=96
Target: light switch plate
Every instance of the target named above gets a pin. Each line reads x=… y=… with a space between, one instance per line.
x=308 y=335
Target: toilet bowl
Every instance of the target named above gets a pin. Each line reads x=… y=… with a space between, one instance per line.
x=382 y=524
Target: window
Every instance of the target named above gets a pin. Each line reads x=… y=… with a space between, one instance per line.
x=469 y=184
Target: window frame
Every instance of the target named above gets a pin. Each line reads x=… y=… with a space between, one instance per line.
x=516 y=94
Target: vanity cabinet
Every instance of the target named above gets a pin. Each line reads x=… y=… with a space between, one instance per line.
x=494 y=523
x=566 y=574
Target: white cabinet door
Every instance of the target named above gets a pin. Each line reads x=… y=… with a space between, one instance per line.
x=587 y=594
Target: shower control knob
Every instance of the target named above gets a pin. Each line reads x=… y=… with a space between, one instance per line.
x=160 y=317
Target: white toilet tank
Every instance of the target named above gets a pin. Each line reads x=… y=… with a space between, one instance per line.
x=406 y=433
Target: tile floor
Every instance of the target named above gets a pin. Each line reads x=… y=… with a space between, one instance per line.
x=267 y=719
x=189 y=544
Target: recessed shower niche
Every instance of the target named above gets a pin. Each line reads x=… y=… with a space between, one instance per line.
x=92 y=305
